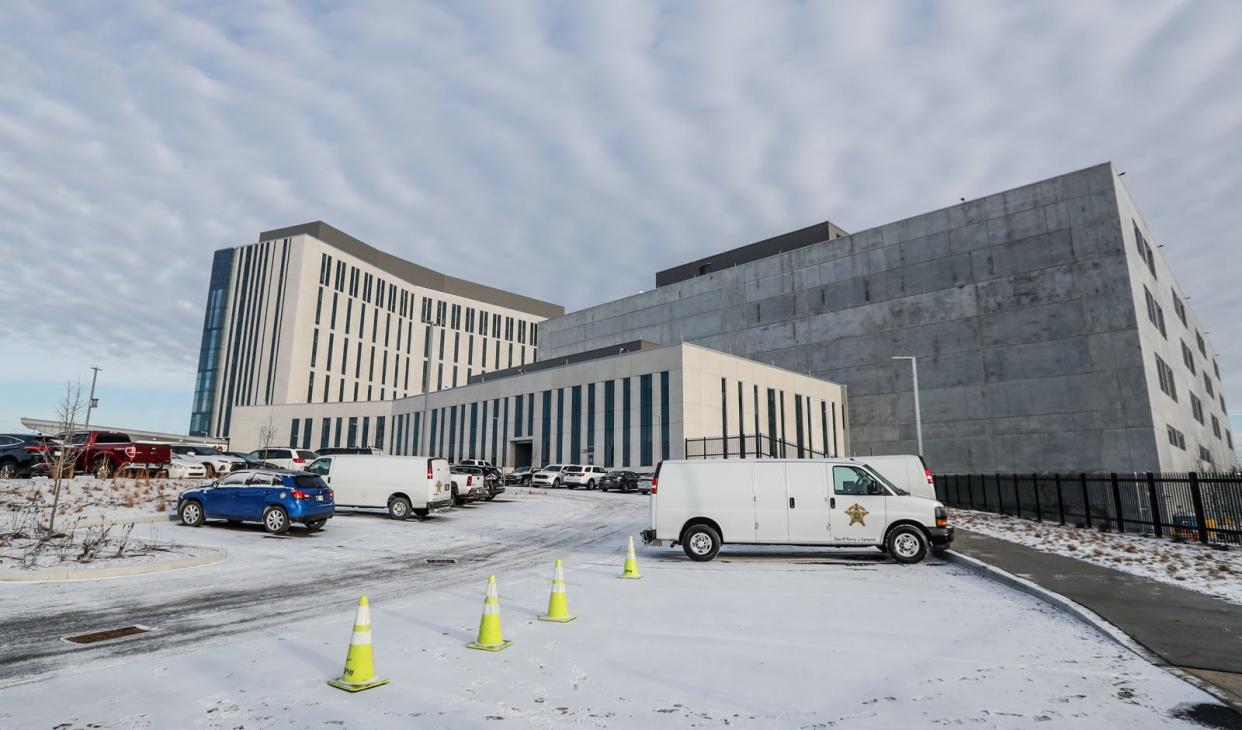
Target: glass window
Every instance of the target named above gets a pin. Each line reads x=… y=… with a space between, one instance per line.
x=517 y=421
x=294 y=427
x=609 y=422
x=575 y=423
x=545 y=453
x=645 y=416
x=850 y=480
x=560 y=424
x=235 y=480
x=664 y=420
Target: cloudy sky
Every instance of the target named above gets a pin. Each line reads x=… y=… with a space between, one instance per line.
x=565 y=150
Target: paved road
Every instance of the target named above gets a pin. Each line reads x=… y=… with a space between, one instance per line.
x=270 y=581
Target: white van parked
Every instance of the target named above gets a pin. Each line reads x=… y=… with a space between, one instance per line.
x=907 y=471
x=703 y=503
x=400 y=484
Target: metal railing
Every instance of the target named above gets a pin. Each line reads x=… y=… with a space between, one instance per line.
x=748 y=447
x=1190 y=506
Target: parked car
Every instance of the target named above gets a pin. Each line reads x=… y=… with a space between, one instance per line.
x=574 y=476
x=520 y=476
x=108 y=453
x=337 y=450
x=19 y=454
x=494 y=481
x=474 y=462
x=468 y=484
x=644 y=482
x=400 y=484
x=214 y=461
x=291 y=459
x=549 y=476
x=277 y=499
x=700 y=504
x=622 y=481
x=249 y=462
x=181 y=468
x=908 y=471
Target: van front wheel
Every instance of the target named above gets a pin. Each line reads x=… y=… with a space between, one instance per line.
x=907 y=544
x=701 y=543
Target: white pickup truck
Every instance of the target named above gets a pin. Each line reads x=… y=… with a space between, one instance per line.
x=702 y=504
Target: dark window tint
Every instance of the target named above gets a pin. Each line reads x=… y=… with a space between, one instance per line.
x=309 y=481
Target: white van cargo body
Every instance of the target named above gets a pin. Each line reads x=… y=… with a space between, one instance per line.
x=702 y=504
x=907 y=471
x=400 y=484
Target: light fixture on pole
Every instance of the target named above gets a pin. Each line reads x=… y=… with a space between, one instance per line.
x=91 y=403
x=918 y=417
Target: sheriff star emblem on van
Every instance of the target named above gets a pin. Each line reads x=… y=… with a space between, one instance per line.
x=857 y=513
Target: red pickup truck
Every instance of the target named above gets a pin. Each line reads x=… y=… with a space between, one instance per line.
x=107 y=453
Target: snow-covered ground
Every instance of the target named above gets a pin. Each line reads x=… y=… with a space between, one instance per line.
x=762 y=638
x=86 y=499
x=1187 y=564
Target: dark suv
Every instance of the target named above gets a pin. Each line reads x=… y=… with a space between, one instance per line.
x=19 y=453
x=520 y=476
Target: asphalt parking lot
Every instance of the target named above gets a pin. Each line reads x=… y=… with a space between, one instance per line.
x=780 y=637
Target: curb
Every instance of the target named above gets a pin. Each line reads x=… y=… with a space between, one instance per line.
x=167 y=517
x=1090 y=618
x=212 y=557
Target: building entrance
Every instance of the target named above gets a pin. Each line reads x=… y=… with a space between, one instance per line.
x=523 y=452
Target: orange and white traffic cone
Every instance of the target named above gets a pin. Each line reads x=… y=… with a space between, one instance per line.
x=359 y=671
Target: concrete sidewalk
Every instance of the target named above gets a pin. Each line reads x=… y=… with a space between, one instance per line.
x=1189 y=630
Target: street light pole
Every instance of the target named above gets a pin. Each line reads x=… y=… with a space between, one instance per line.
x=90 y=402
x=918 y=417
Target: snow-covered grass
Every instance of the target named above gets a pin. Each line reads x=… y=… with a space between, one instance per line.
x=92 y=500
x=1185 y=564
x=25 y=546
x=759 y=638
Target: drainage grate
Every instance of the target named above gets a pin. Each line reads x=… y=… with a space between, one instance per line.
x=442 y=561
x=108 y=635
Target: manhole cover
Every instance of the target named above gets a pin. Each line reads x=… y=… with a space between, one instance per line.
x=107 y=635
x=442 y=561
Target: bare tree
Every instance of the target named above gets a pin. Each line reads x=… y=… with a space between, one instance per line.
x=60 y=458
x=267 y=434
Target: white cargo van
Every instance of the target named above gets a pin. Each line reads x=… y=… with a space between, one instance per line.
x=701 y=504
x=400 y=484
x=907 y=471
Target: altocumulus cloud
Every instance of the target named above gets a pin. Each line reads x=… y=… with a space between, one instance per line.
x=567 y=150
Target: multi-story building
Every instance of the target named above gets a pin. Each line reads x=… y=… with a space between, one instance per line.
x=1049 y=331
x=310 y=314
x=629 y=406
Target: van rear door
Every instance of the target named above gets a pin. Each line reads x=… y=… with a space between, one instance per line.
x=441 y=479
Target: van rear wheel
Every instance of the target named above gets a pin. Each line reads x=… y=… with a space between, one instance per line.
x=700 y=542
x=907 y=544
x=399 y=508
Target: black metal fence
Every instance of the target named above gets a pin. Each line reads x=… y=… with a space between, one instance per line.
x=748 y=447
x=1193 y=506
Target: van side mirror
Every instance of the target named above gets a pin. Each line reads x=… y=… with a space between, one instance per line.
x=874 y=488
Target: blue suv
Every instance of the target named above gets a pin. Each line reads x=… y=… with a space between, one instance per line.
x=275 y=498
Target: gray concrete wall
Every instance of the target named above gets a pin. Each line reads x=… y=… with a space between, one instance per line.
x=1019 y=306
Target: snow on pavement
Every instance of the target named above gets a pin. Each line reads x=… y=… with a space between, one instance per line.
x=758 y=638
x=1186 y=565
